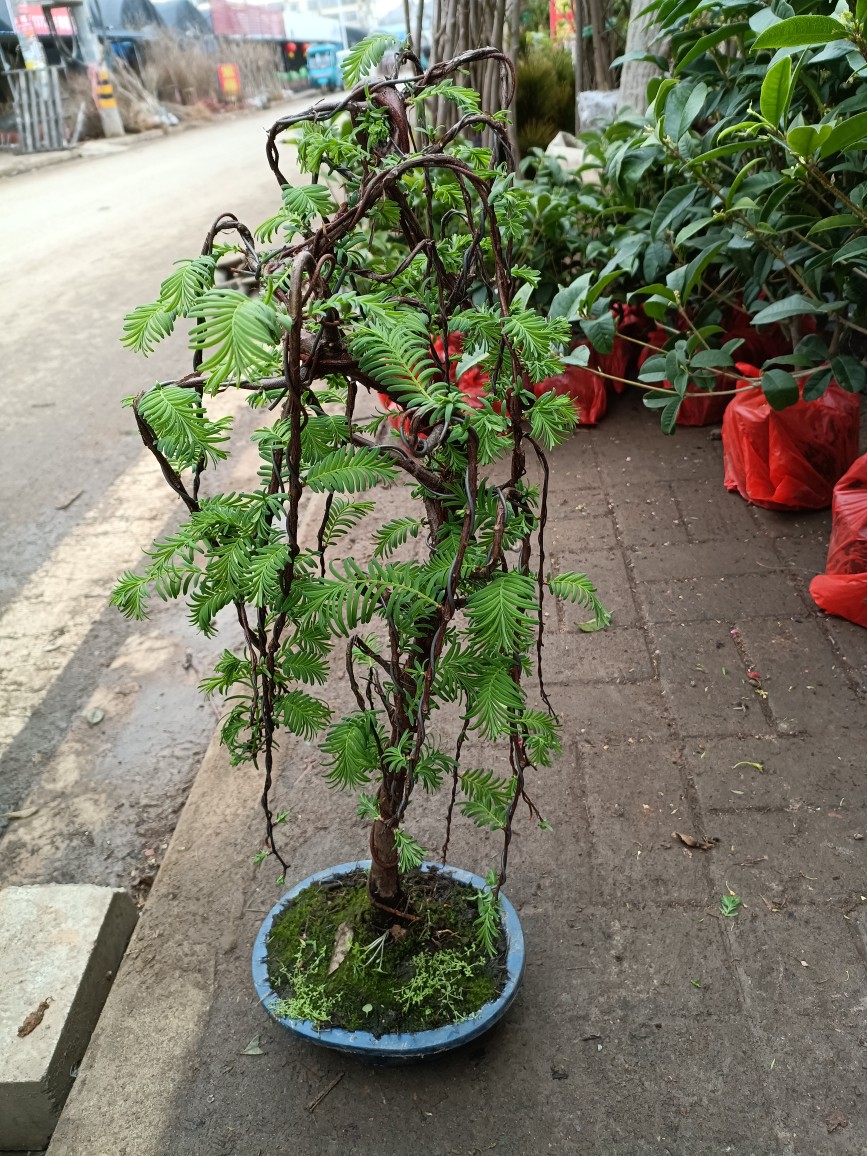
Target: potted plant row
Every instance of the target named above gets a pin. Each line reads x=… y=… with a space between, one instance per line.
x=393 y=954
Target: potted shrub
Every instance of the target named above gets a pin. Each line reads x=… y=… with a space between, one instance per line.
x=402 y=238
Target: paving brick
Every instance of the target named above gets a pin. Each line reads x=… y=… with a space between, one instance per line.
x=797 y=773
x=573 y=464
x=612 y=655
x=807 y=686
x=655 y=1106
x=851 y=641
x=650 y=518
x=818 y=1077
x=793 y=523
x=805 y=556
x=663 y=963
x=771 y=950
x=691 y=458
x=59 y=949
x=608 y=712
x=705 y=682
x=709 y=514
x=607 y=571
x=577 y=521
x=790 y=858
x=721 y=599
x=635 y=799
x=712 y=559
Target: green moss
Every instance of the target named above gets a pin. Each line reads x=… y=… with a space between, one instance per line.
x=397 y=976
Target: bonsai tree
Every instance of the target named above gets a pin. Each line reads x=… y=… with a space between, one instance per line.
x=391 y=271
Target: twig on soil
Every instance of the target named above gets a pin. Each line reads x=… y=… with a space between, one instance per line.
x=317 y=1100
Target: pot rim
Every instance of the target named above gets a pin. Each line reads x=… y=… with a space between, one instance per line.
x=406 y=1044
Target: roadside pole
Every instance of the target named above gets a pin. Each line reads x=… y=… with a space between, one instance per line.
x=100 y=77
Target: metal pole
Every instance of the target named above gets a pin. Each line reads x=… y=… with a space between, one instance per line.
x=100 y=78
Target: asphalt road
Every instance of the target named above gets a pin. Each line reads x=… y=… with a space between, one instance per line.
x=101 y=726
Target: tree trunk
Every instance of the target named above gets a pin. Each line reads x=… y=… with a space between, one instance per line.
x=578 y=58
x=637 y=74
x=601 y=58
x=384 y=878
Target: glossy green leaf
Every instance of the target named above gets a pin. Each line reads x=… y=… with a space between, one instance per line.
x=800 y=31
x=780 y=388
x=796 y=305
x=682 y=106
x=850 y=134
x=851 y=250
x=710 y=40
x=849 y=372
x=672 y=205
x=776 y=91
x=839 y=221
x=600 y=332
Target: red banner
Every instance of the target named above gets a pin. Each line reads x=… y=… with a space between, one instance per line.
x=235 y=18
x=562 y=19
x=30 y=19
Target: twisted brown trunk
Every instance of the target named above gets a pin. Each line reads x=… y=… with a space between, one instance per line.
x=384 y=882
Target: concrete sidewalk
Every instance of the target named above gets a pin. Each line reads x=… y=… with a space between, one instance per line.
x=647 y=1023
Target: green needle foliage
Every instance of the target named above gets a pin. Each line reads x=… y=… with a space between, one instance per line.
x=402 y=239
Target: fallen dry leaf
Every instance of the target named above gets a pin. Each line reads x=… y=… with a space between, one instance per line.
x=691 y=841
x=342 y=944
x=25 y=814
x=32 y=1022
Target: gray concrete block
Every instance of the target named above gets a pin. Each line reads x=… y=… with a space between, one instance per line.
x=59 y=945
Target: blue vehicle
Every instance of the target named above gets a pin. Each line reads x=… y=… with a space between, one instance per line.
x=323 y=66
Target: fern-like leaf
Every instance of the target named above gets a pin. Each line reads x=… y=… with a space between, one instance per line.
x=182 y=289
x=343 y=517
x=348 y=470
x=579 y=588
x=130 y=595
x=553 y=417
x=410 y=854
x=493 y=700
x=146 y=326
x=301 y=713
x=488 y=798
x=184 y=433
x=351 y=744
x=363 y=57
x=243 y=332
x=534 y=337
x=393 y=535
x=308 y=201
x=263 y=573
x=541 y=734
x=398 y=356
x=503 y=614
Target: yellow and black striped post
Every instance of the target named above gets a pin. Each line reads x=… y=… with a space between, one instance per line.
x=105 y=97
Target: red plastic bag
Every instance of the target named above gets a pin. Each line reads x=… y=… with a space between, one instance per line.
x=586 y=388
x=473 y=383
x=630 y=322
x=842 y=589
x=791 y=459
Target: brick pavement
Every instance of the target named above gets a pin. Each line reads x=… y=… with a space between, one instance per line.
x=648 y=1023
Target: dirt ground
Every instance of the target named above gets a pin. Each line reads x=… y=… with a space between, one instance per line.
x=720 y=706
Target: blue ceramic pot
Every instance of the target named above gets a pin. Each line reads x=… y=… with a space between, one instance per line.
x=403 y=1046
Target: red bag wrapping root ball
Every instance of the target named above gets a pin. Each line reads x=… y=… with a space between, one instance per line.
x=789 y=459
x=586 y=388
x=842 y=589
